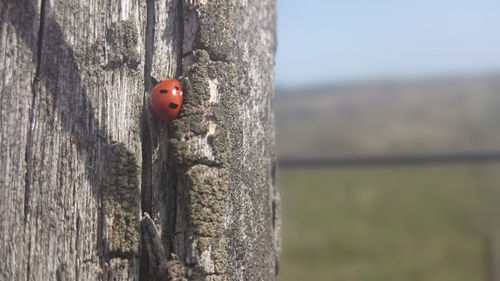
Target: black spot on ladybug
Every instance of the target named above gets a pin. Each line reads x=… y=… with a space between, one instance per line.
x=163 y=91
x=173 y=105
x=176 y=88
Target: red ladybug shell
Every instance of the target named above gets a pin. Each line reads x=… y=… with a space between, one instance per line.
x=166 y=100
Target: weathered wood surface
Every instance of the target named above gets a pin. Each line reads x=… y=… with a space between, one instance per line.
x=71 y=96
x=229 y=227
x=81 y=156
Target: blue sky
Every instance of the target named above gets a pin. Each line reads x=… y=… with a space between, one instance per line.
x=322 y=41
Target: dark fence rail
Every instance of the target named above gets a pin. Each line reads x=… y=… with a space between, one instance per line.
x=399 y=159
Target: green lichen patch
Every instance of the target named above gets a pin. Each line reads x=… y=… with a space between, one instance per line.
x=190 y=122
x=226 y=111
x=197 y=89
x=219 y=255
x=121 y=200
x=216 y=29
x=197 y=110
x=202 y=141
x=207 y=192
x=90 y=56
x=122 y=38
x=227 y=74
x=192 y=126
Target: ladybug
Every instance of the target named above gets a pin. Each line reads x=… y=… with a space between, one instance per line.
x=166 y=100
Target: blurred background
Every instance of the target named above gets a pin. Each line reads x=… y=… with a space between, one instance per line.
x=363 y=88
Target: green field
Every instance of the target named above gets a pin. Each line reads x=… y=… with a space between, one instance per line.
x=387 y=223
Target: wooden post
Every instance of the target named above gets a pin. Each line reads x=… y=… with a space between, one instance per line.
x=82 y=158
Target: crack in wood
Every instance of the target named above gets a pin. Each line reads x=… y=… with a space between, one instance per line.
x=29 y=143
x=41 y=33
x=180 y=30
x=159 y=170
x=77 y=247
x=146 y=138
x=150 y=32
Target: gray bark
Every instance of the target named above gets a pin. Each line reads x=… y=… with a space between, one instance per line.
x=82 y=157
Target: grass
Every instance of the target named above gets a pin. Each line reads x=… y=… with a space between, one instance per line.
x=386 y=223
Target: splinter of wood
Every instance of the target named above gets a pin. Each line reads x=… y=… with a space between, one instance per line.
x=160 y=268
